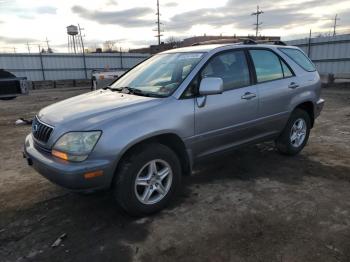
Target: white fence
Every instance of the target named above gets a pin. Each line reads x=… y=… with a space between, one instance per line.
x=59 y=66
x=331 y=55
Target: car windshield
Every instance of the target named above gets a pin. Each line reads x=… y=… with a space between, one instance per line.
x=158 y=76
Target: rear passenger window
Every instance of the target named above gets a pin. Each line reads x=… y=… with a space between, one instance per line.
x=267 y=65
x=231 y=66
x=300 y=58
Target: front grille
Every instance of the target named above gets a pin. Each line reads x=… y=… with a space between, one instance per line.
x=41 y=131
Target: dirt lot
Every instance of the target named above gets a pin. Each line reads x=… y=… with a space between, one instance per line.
x=252 y=205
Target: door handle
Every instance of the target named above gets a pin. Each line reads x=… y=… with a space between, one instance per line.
x=248 y=96
x=293 y=85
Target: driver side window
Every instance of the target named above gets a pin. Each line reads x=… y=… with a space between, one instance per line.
x=231 y=66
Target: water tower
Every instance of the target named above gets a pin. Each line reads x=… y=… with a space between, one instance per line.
x=74 y=40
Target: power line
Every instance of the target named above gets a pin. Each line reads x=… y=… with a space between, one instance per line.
x=257 y=24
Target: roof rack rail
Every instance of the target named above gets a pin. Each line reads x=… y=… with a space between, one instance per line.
x=244 y=41
x=249 y=42
x=279 y=42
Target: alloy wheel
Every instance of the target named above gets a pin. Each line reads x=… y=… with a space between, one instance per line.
x=153 y=181
x=298 y=132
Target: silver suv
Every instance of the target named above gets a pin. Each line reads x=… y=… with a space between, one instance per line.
x=142 y=133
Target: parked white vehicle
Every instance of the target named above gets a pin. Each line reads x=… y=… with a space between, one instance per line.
x=100 y=79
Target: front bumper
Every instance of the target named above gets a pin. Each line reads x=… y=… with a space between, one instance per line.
x=68 y=174
x=319 y=107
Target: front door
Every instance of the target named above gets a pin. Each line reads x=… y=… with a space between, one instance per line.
x=227 y=119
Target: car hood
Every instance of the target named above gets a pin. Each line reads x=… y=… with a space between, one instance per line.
x=94 y=107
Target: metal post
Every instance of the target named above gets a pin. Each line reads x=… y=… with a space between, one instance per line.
x=75 y=51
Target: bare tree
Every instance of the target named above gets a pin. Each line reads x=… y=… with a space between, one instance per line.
x=173 y=41
x=109 y=45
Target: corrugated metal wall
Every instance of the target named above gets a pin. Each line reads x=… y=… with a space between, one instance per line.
x=331 y=55
x=65 y=66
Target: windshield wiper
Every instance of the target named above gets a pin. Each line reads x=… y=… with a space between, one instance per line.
x=133 y=91
x=138 y=92
x=124 y=89
x=109 y=88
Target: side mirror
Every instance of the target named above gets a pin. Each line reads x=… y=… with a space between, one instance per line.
x=211 y=86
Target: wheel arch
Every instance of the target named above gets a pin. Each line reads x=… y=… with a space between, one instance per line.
x=308 y=107
x=171 y=140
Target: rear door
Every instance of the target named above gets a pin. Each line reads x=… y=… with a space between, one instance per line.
x=225 y=119
x=276 y=83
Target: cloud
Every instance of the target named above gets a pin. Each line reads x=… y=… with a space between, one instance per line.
x=26 y=16
x=237 y=14
x=16 y=40
x=46 y=10
x=111 y=2
x=29 y=13
x=132 y=17
x=171 y=4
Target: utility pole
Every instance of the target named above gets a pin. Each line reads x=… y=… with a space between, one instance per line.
x=41 y=62
x=82 y=45
x=28 y=48
x=121 y=57
x=258 y=24
x=309 y=44
x=47 y=44
x=336 y=19
x=158 y=24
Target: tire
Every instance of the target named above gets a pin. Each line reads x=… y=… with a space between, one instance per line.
x=139 y=164
x=8 y=98
x=294 y=138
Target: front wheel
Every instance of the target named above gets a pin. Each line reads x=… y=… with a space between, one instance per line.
x=147 y=179
x=296 y=133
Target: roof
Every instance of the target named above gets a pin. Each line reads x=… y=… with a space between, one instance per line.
x=208 y=48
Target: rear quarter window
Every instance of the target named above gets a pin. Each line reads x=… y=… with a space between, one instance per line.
x=300 y=58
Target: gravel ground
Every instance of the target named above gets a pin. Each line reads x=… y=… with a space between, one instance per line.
x=250 y=205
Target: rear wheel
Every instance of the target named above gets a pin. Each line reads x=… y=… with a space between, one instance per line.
x=147 y=179
x=296 y=133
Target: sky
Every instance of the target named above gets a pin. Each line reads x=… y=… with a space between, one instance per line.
x=130 y=23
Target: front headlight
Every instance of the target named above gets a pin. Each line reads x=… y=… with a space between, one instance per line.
x=75 y=146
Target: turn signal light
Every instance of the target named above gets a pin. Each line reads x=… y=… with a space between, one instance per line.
x=59 y=154
x=93 y=174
